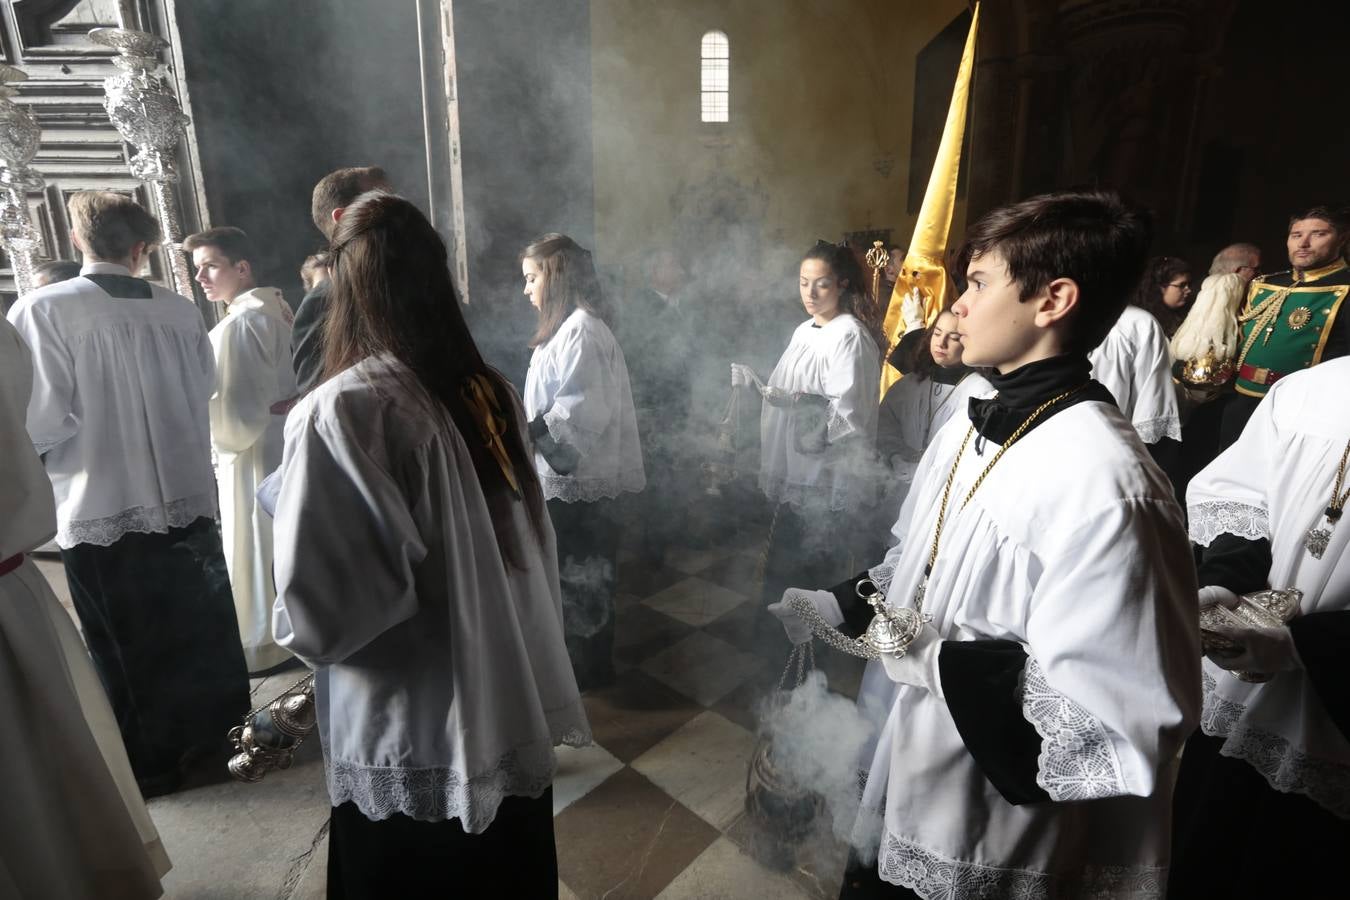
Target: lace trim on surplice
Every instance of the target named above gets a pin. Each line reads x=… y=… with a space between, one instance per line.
x=138 y=520
x=1077 y=761
x=1153 y=430
x=1286 y=768
x=936 y=877
x=1212 y=518
x=439 y=793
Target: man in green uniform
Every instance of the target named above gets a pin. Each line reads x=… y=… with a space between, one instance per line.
x=1295 y=319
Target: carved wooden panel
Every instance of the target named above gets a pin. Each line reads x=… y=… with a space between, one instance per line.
x=80 y=149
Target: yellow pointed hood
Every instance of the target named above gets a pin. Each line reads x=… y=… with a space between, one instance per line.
x=924 y=266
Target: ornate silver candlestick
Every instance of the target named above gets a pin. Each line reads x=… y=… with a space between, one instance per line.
x=19 y=138
x=145 y=111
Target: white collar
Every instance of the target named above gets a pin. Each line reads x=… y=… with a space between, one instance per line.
x=266 y=299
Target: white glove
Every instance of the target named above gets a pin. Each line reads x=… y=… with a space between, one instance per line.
x=798 y=631
x=744 y=376
x=911 y=310
x=1213 y=594
x=1264 y=650
x=919 y=666
x=775 y=396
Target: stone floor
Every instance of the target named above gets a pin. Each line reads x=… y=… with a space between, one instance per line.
x=654 y=808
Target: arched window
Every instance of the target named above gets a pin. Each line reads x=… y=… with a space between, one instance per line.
x=715 y=52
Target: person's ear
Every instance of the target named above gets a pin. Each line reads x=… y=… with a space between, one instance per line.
x=337 y=214
x=78 y=242
x=1057 y=302
x=245 y=268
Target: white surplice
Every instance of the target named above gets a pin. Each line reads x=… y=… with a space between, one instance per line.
x=1275 y=483
x=443 y=679
x=119 y=402
x=254 y=375
x=914 y=411
x=1135 y=365
x=1073 y=547
x=839 y=362
x=578 y=381
x=73 y=825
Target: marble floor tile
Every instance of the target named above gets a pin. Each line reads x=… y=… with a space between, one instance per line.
x=737 y=571
x=702 y=667
x=692 y=560
x=580 y=770
x=815 y=863
x=750 y=628
x=627 y=840
x=694 y=601
x=632 y=715
x=641 y=632
x=703 y=765
x=725 y=871
x=643 y=580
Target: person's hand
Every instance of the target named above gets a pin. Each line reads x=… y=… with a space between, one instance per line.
x=911 y=310
x=1213 y=595
x=794 y=623
x=744 y=376
x=919 y=666
x=1263 y=650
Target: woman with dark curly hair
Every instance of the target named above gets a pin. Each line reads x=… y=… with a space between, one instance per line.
x=1165 y=291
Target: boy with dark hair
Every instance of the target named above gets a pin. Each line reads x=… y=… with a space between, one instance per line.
x=255 y=386
x=332 y=195
x=1040 y=599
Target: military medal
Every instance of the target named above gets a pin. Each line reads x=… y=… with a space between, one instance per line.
x=1299 y=317
x=1317 y=539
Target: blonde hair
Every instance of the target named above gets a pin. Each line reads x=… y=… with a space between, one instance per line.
x=110 y=224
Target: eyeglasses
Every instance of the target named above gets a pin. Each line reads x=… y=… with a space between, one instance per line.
x=1180 y=285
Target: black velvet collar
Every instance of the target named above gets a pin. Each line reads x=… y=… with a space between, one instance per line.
x=1022 y=390
x=122 y=287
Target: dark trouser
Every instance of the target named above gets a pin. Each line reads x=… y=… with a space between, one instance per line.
x=409 y=859
x=1234 y=836
x=588 y=548
x=158 y=616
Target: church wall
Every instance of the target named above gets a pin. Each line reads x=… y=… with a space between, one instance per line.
x=286 y=92
x=818 y=143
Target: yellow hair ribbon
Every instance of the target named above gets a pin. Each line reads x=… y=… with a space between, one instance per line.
x=482 y=402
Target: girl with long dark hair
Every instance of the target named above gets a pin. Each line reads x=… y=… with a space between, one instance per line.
x=416 y=572
x=586 y=449
x=819 y=422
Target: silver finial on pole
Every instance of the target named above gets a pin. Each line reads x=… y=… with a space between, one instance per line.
x=145 y=111
x=20 y=135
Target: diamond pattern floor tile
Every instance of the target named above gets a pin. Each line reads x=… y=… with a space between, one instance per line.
x=703 y=765
x=695 y=602
x=580 y=771
x=635 y=713
x=703 y=668
x=726 y=872
x=627 y=840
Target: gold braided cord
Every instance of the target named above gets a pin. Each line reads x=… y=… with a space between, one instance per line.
x=1339 y=499
x=951 y=476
